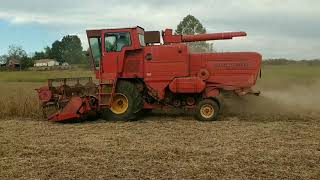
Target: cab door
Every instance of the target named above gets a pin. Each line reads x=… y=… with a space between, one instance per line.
x=114 y=46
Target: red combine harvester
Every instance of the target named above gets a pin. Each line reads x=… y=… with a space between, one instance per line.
x=135 y=73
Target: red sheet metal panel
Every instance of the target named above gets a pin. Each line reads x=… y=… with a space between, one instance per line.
x=228 y=70
x=187 y=85
x=70 y=111
x=44 y=94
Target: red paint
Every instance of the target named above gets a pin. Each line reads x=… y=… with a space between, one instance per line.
x=168 y=69
x=168 y=37
x=187 y=85
x=172 y=67
x=44 y=94
x=70 y=111
x=75 y=108
x=211 y=92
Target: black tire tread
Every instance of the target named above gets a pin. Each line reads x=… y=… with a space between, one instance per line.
x=214 y=103
x=135 y=102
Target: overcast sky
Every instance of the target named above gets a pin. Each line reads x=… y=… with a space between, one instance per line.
x=286 y=28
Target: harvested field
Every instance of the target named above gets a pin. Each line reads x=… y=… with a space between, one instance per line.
x=161 y=147
x=276 y=136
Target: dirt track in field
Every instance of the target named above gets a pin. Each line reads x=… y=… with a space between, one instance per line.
x=161 y=146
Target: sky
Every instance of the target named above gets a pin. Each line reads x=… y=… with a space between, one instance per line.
x=276 y=29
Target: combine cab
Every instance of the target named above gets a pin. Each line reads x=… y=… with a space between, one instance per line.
x=135 y=73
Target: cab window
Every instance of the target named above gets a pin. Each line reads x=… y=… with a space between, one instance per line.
x=141 y=39
x=95 y=46
x=115 y=42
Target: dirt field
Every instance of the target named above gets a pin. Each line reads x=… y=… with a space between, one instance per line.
x=276 y=136
x=161 y=147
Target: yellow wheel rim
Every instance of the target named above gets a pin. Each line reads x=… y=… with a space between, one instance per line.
x=119 y=104
x=207 y=111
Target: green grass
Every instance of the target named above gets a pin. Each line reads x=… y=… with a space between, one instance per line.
x=282 y=76
x=292 y=72
x=41 y=76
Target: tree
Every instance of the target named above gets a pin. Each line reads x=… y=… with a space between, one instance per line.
x=72 y=50
x=3 y=59
x=45 y=54
x=57 y=51
x=18 y=53
x=26 y=62
x=69 y=49
x=190 y=26
x=40 y=55
x=47 y=51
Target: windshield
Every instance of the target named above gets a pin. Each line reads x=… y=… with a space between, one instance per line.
x=95 y=45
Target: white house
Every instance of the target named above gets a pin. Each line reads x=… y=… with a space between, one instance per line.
x=65 y=64
x=46 y=62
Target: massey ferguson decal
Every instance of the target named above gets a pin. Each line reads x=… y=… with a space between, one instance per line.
x=228 y=65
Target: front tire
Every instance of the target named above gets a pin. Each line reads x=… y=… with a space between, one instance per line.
x=207 y=110
x=126 y=102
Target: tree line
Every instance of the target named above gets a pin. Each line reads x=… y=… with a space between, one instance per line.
x=69 y=50
x=283 y=61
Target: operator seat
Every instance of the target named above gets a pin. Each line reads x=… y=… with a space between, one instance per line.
x=122 y=42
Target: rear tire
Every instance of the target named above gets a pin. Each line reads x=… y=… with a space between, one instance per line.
x=207 y=110
x=127 y=101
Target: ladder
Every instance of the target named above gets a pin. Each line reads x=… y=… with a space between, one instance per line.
x=106 y=91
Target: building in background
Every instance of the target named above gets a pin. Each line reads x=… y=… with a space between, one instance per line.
x=65 y=64
x=13 y=64
x=46 y=63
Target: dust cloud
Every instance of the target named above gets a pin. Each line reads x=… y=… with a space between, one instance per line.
x=293 y=102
